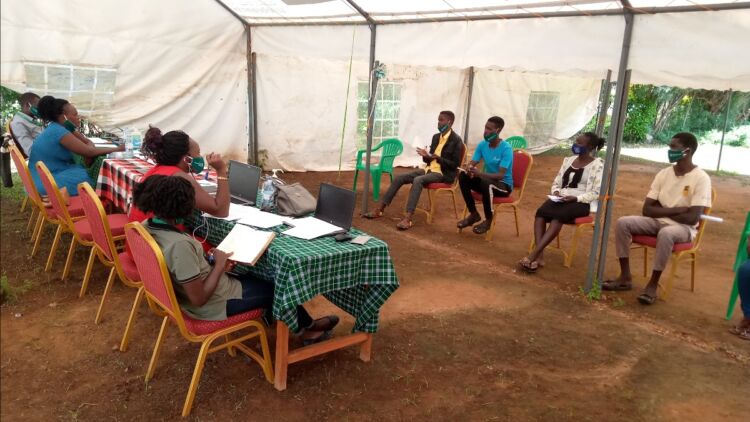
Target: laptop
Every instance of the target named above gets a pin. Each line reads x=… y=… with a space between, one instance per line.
x=335 y=206
x=243 y=182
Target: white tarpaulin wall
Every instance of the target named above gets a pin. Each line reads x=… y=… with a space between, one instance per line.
x=300 y=115
x=178 y=65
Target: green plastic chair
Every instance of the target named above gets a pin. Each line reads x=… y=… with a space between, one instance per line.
x=517 y=142
x=739 y=260
x=392 y=148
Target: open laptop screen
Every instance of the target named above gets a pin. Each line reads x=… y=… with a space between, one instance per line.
x=335 y=205
x=243 y=181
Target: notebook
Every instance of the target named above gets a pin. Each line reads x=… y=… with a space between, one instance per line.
x=246 y=244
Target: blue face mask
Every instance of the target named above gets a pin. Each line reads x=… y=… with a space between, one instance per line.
x=69 y=125
x=443 y=128
x=34 y=111
x=197 y=164
x=579 y=149
x=491 y=137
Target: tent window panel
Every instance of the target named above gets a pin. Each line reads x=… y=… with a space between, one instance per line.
x=91 y=89
x=387 y=111
x=541 y=116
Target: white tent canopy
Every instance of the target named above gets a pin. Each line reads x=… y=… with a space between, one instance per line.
x=184 y=65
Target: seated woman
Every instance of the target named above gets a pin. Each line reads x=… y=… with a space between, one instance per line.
x=177 y=154
x=743 y=287
x=576 y=186
x=204 y=291
x=56 y=145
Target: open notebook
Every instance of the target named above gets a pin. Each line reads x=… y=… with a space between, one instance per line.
x=246 y=244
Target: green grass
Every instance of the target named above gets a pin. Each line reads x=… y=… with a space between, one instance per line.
x=10 y=293
x=15 y=193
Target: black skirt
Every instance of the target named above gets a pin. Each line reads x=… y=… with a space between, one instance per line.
x=564 y=212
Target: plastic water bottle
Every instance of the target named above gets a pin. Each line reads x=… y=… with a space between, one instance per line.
x=266 y=193
x=136 y=140
x=128 y=143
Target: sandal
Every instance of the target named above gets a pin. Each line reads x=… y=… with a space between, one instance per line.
x=404 y=224
x=528 y=266
x=483 y=227
x=616 y=286
x=468 y=221
x=327 y=323
x=646 y=299
x=373 y=214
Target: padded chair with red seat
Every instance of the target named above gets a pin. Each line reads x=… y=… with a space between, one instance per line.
x=433 y=189
x=522 y=162
x=78 y=226
x=680 y=251
x=161 y=297
x=106 y=250
x=44 y=213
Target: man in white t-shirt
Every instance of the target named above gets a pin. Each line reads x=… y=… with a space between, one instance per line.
x=671 y=212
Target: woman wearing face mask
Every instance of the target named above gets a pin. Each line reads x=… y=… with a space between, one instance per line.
x=56 y=145
x=576 y=186
x=177 y=154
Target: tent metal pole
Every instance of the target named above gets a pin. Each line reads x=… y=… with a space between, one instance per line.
x=370 y=103
x=601 y=119
x=620 y=92
x=251 y=140
x=468 y=105
x=613 y=180
x=254 y=105
x=724 y=130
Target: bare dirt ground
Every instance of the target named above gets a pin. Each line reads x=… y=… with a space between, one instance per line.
x=466 y=337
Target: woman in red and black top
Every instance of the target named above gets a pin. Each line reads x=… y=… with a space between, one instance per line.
x=177 y=154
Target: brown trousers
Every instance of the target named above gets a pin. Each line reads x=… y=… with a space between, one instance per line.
x=666 y=236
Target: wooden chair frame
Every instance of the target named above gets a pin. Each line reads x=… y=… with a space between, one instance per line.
x=432 y=194
x=32 y=199
x=569 y=253
x=167 y=310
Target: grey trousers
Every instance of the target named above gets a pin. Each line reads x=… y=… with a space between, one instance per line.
x=666 y=236
x=418 y=180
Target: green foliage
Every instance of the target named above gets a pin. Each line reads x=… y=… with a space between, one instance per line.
x=15 y=193
x=594 y=294
x=642 y=105
x=8 y=105
x=11 y=293
x=740 y=141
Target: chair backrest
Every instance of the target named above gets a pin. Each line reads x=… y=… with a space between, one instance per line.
x=153 y=270
x=54 y=195
x=97 y=218
x=522 y=162
x=23 y=171
x=702 y=222
x=517 y=142
x=392 y=148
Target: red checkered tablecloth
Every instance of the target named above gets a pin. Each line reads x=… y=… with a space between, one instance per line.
x=118 y=178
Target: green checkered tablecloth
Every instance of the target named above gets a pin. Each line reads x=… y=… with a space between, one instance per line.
x=356 y=278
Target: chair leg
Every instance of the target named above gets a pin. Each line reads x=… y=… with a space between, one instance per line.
x=157 y=349
x=230 y=349
x=645 y=261
x=455 y=207
x=87 y=274
x=23 y=204
x=491 y=231
x=107 y=289
x=196 y=376
x=670 y=279
x=376 y=176
x=356 y=174
x=267 y=363
x=55 y=243
x=32 y=220
x=69 y=259
x=432 y=199
x=515 y=213
x=463 y=215
x=693 y=265
x=131 y=319
x=37 y=236
x=573 y=246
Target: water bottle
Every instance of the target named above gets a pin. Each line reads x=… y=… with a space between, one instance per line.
x=135 y=140
x=266 y=198
x=128 y=143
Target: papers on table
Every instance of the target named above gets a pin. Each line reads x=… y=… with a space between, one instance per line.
x=554 y=198
x=246 y=244
x=251 y=216
x=310 y=227
x=206 y=183
x=99 y=142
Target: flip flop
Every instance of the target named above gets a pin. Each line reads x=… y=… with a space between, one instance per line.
x=483 y=227
x=616 y=286
x=404 y=226
x=646 y=299
x=373 y=215
x=468 y=221
x=528 y=266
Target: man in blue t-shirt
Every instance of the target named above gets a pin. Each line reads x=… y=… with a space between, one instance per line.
x=496 y=179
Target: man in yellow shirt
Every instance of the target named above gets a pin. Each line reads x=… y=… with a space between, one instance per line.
x=671 y=212
x=441 y=162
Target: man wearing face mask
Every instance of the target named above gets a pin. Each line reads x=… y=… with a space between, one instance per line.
x=441 y=162
x=496 y=179
x=25 y=125
x=671 y=212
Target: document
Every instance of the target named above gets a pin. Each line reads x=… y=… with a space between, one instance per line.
x=246 y=244
x=99 y=142
x=236 y=211
x=262 y=219
x=554 y=198
x=310 y=227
